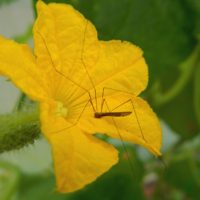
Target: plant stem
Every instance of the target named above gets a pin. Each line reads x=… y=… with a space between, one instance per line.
x=18 y=130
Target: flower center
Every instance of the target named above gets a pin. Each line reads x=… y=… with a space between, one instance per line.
x=61 y=110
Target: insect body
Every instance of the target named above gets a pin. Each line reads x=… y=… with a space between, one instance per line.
x=111 y=114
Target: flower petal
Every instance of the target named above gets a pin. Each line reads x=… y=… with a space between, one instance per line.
x=120 y=66
x=141 y=127
x=18 y=64
x=59 y=32
x=78 y=158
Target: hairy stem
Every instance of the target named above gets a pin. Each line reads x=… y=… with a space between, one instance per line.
x=18 y=130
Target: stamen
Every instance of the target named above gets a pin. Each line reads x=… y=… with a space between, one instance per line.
x=61 y=110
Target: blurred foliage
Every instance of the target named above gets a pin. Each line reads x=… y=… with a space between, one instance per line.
x=9 y=179
x=2 y=2
x=197 y=93
x=183 y=172
x=168 y=32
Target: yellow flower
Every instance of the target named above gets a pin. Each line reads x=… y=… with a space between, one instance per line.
x=70 y=70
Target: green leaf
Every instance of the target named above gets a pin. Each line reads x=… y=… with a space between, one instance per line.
x=40 y=187
x=9 y=180
x=186 y=69
x=194 y=8
x=197 y=93
x=175 y=105
x=180 y=113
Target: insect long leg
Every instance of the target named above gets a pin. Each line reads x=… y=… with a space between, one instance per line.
x=134 y=110
x=102 y=100
x=102 y=104
x=121 y=138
